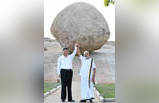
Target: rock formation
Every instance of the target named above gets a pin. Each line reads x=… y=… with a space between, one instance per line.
x=80 y=23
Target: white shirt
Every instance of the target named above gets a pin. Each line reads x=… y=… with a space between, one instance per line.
x=65 y=62
x=86 y=63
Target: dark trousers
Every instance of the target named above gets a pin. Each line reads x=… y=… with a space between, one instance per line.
x=66 y=82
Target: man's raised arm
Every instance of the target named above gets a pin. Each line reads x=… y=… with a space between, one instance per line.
x=75 y=51
x=79 y=53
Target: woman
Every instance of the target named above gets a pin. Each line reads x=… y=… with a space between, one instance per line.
x=87 y=74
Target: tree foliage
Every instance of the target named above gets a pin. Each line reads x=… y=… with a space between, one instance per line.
x=107 y=2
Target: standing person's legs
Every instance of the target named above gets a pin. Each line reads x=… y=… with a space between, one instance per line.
x=63 y=84
x=83 y=89
x=69 y=85
x=91 y=92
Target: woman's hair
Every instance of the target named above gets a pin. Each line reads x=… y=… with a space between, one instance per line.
x=85 y=52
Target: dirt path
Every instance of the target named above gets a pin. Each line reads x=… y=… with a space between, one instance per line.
x=55 y=97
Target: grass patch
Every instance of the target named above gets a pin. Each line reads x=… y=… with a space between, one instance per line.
x=49 y=85
x=106 y=90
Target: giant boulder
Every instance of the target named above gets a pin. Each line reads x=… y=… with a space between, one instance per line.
x=80 y=23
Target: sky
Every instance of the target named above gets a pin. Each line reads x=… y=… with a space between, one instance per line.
x=53 y=7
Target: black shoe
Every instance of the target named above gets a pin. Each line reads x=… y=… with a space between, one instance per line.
x=71 y=100
x=63 y=100
x=91 y=101
x=82 y=101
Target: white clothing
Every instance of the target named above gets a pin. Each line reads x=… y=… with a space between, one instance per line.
x=86 y=92
x=65 y=62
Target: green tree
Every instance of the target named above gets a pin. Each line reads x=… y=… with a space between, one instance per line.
x=107 y=2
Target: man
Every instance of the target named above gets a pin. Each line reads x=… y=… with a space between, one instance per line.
x=87 y=74
x=64 y=70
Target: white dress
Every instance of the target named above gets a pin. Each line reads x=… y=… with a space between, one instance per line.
x=86 y=91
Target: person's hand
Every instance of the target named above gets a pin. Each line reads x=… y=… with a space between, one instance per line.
x=77 y=45
x=58 y=80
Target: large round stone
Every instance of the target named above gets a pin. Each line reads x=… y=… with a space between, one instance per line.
x=83 y=24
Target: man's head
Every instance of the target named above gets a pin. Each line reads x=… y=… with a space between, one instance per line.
x=65 y=51
x=86 y=54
